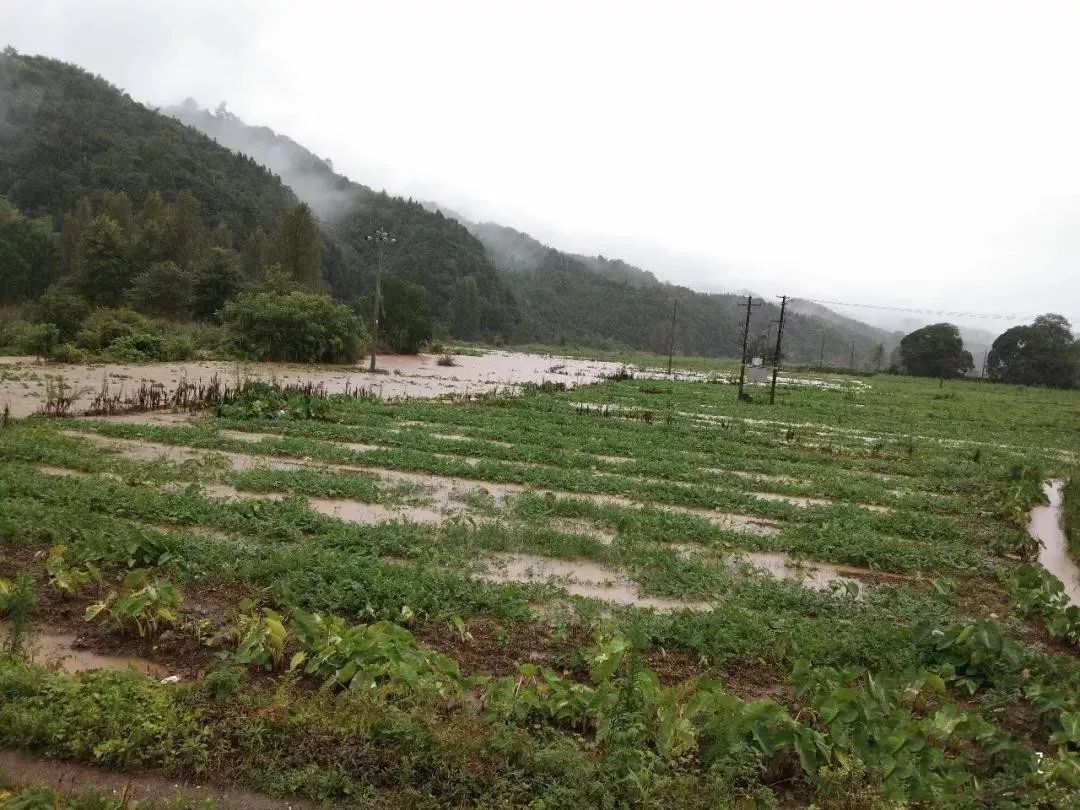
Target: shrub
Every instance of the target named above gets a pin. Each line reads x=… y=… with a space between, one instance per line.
x=63 y=308
x=163 y=289
x=105 y=326
x=68 y=353
x=294 y=327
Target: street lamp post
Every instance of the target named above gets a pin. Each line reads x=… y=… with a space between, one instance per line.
x=379 y=239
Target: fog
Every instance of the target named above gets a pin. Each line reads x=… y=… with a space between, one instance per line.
x=918 y=155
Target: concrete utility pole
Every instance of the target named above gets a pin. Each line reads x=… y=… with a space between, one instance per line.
x=776 y=357
x=745 y=341
x=853 y=355
x=671 y=339
x=379 y=238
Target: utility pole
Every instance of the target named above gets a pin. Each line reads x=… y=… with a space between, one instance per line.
x=379 y=239
x=671 y=341
x=745 y=341
x=853 y=355
x=776 y=356
x=821 y=357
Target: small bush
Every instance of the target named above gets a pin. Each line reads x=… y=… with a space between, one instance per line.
x=68 y=353
x=63 y=308
x=294 y=327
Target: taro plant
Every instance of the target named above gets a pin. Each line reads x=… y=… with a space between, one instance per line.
x=369 y=657
x=967 y=653
x=142 y=604
x=65 y=576
x=1036 y=591
x=262 y=636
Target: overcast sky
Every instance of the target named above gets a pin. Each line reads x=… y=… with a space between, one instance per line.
x=908 y=153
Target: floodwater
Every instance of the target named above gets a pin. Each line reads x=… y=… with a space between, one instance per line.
x=23 y=379
x=61 y=649
x=445 y=492
x=580 y=578
x=777 y=564
x=1045 y=526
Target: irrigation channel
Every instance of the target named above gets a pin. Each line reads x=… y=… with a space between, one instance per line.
x=1046 y=527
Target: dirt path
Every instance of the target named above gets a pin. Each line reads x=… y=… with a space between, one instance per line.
x=25 y=770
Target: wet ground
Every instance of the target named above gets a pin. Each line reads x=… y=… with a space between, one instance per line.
x=1045 y=526
x=23 y=379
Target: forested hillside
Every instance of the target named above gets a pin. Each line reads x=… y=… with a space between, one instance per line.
x=560 y=297
x=465 y=294
x=595 y=300
x=121 y=204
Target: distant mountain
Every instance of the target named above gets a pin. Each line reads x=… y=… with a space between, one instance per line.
x=551 y=296
x=66 y=134
x=465 y=294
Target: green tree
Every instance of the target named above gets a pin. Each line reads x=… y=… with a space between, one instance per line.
x=878 y=356
x=405 y=324
x=297 y=247
x=187 y=238
x=935 y=351
x=151 y=243
x=217 y=280
x=26 y=254
x=258 y=254
x=1042 y=353
x=61 y=307
x=164 y=289
x=294 y=327
x=117 y=204
x=465 y=309
x=105 y=269
x=71 y=232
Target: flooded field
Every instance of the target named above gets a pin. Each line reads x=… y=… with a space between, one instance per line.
x=518 y=567
x=23 y=380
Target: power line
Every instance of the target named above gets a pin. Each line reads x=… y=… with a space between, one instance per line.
x=920 y=311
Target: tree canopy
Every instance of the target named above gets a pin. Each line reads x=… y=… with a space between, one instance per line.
x=1041 y=353
x=935 y=351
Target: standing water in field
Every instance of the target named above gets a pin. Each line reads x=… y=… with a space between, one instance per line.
x=1045 y=526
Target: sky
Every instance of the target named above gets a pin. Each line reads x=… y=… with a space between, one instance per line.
x=908 y=154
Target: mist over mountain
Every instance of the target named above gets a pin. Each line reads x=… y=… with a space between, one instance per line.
x=558 y=297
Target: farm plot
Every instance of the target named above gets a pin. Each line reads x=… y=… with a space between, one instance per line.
x=633 y=593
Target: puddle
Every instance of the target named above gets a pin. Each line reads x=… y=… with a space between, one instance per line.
x=794 y=500
x=138 y=450
x=580 y=578
x=756 y=476
x=589 y=528
x=150 y=418
x=817 y=575
x=359 y=512
x=810 y=574
x=1045 y=526
x=443 y=490
x=612 y=459
x=247 y=436
x=61 y=649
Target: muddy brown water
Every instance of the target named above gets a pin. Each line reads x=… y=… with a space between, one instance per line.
x=444 y=492
x=580 y=578
x=1044 y=525
x=413 y=376
x=60 y=649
